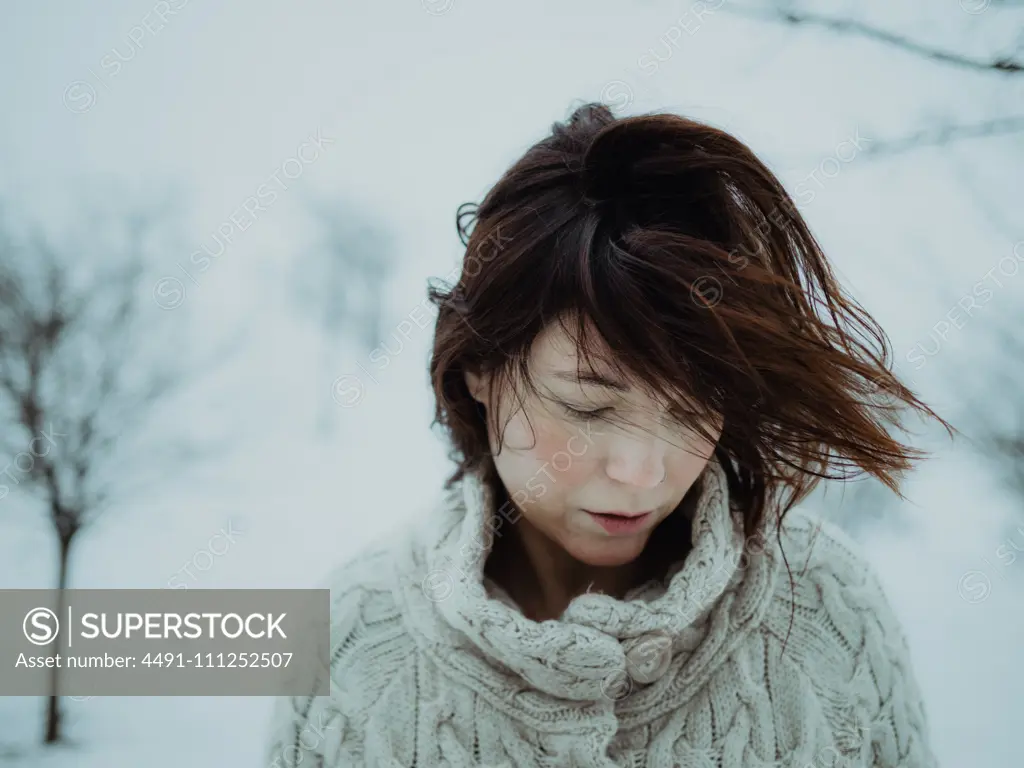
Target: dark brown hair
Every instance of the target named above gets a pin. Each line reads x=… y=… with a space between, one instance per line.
x=694 y=266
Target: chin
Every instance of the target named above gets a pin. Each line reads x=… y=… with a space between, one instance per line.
x=607 y=552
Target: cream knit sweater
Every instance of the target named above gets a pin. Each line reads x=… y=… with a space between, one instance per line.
x=433 y=665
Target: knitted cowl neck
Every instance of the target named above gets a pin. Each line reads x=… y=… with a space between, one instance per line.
x=601 y=647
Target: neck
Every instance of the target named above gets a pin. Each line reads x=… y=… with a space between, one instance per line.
x=542 y=578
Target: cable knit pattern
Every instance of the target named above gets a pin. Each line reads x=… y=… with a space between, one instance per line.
x=434 y=665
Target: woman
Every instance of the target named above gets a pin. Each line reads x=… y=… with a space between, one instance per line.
x=645 y=364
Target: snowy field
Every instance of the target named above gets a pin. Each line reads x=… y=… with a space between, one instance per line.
x=426 y=104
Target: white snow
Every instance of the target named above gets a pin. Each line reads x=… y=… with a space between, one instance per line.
x=425 y=111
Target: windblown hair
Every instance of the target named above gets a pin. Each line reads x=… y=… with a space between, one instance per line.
x=692 y=263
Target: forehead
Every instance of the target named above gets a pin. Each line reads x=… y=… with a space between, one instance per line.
x=556 y=356
x=555 y=349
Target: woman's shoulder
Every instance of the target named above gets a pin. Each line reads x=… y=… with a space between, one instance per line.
x=361 y=572
x=371 y=571
x=846 y=631
x=365 y=581
x=367 y=653
x=834 y=584
x=817 y=550
x=367 y=632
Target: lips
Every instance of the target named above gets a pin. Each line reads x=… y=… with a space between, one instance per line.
x=620 y=524
x=617 y=513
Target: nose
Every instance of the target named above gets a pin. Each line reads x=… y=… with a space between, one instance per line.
x=636 y=461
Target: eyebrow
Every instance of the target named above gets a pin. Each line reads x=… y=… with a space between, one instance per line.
x=590 y=377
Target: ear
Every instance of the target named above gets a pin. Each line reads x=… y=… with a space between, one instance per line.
x=477 y=384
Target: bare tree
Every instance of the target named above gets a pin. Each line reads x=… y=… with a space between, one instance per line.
x=340 y=282
x=78 y=381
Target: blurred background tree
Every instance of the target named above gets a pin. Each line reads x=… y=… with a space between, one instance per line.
x=86 y=363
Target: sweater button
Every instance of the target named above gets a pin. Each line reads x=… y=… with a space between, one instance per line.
x=648 y=656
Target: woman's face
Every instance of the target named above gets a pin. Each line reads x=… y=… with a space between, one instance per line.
x=591 y=448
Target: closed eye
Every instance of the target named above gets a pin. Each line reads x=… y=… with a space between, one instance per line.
x=576 y=413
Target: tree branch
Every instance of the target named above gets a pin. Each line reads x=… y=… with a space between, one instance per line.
x=1002 y=65
x=946 y=134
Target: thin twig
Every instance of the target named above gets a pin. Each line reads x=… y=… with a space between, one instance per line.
x=946 y=134
x=1004 y=65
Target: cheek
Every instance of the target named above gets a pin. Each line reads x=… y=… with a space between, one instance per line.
x=564 y=452
x=520 y=435
x=541 y=438
x=689 y=460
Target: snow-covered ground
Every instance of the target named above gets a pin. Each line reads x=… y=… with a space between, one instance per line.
x=426 y=104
